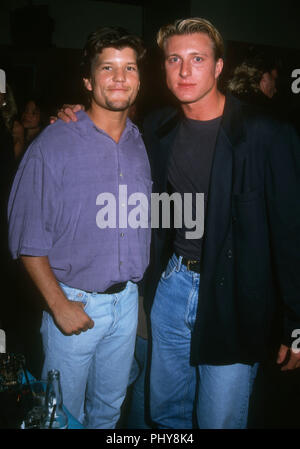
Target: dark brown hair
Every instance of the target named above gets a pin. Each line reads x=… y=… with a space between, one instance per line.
x=115 y=37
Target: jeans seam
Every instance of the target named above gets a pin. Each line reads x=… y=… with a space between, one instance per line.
x=114 y=312
x=185 y=400
x=193 y=293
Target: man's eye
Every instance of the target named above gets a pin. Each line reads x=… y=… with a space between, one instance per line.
x=173 y=59
x=131 y=68
x=198 y=59
x=106 y=67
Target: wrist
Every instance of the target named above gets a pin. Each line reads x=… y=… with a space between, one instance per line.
x=57 y=303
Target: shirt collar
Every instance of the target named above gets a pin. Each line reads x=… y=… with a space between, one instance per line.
x=84 y=125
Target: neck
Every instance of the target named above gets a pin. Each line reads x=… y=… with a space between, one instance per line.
x=112 y=122
x=207 y=108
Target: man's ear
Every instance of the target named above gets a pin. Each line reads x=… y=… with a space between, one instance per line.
x=87 y=84
x=219 y=67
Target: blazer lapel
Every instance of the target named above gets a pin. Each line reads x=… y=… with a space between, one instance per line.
x=166 y=134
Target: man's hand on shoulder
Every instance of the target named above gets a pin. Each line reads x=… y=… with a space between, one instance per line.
x=67 y=113
x=288 y=355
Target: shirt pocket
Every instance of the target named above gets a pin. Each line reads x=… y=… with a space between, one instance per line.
x=248 y=196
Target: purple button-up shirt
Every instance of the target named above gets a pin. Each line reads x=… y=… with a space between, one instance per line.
x=72 y=182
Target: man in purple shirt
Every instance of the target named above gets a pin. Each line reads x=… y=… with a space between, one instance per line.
x=69 y=221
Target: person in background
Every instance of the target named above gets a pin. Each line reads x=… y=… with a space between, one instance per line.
x=28 y=128
x=255 y=80
x=86 y=269
x=8 y=110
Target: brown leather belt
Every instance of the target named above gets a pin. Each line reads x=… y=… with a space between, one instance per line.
x=113 y=289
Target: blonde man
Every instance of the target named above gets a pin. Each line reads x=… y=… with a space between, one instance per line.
x=213 y=316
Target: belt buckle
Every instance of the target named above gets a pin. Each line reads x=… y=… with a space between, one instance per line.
x=189 y=262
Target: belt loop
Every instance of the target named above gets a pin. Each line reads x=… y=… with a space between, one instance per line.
x=179 y=263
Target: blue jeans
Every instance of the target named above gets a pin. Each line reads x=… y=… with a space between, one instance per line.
x=94 y=365
x=223 y=392
x=137 y=416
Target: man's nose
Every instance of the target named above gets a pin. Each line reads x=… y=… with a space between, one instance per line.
x=185 y=69
x=119 y=75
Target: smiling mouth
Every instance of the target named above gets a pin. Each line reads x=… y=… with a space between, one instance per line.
x=118 y=89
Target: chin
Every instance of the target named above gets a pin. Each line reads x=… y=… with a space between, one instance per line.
x=118 y=105
x=186 y=98
x=184 y=95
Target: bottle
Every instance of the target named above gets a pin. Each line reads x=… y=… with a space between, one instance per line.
x=56 y=418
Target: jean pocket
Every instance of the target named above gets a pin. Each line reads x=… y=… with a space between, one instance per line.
x=84 y=299
x=76 y=295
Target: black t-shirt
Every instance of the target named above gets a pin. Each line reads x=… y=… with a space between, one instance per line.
x=189 y=172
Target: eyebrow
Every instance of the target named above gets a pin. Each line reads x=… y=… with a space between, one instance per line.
x=193 y=53
x=112 y=62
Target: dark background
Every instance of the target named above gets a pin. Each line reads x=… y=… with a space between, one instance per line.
x=41 y=41
x=40 y=49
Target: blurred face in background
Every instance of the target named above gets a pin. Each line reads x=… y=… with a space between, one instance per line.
x=31 y=116
x=268 y=83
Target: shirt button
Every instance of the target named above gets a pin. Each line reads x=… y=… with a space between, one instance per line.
x=229 y=254
x=122 y=234
x=121 y=174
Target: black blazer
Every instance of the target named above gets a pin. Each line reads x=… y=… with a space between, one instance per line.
x=251 y=253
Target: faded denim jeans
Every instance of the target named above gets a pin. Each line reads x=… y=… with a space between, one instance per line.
x=94 y=365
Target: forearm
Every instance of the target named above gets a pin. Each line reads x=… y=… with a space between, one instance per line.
x=69 y=316
x=43 y=277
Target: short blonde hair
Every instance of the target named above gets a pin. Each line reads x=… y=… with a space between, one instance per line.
x=190 y=26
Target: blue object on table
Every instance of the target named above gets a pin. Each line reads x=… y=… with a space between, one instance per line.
x=73 y=423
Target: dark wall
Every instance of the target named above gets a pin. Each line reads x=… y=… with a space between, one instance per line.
x=34 y=61
x=268 y=22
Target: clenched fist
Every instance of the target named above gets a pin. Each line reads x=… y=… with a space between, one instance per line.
x=71 y=318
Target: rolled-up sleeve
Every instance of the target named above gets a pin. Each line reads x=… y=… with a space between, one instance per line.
x=33 y=206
